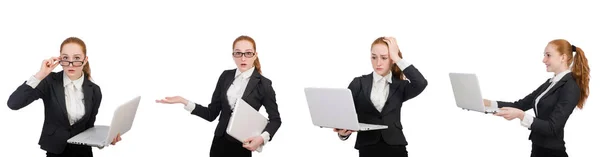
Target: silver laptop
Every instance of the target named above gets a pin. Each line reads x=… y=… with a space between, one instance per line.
x=101 y=136
x=245 y=122
x=467 y=93
x=334 y=108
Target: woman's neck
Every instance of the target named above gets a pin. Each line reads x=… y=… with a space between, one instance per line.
x=73 y=78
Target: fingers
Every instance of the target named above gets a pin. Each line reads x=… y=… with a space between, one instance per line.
x=347 y=132
x=249 y=140
x=164 y=101
x=55 y=65
x=47 y=62
x=387 y=41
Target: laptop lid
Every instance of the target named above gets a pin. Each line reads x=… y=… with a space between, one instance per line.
x=245 y=122
x=332 y=108
x=467 y=93
x=123 y=119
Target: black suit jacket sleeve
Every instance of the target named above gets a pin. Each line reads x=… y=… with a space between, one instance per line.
x=525 y=103
x=567 y=100
x=25 y=95
x=270 y=104
x=417 y=83
x=213 y=110
x=97 y=99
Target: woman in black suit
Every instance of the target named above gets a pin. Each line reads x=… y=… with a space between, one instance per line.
x=71 y=99
x=378 y=99
x=246 y=83
x=554 y=101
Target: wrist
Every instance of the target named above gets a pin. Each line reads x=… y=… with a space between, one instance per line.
x=40 y=75
x=185 y=102
x=521 y=115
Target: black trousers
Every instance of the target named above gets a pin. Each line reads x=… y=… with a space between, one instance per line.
x=537 y=151
x=382 y=149
x=73 y=150
x=227 y=146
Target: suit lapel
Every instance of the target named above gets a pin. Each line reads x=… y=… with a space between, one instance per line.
x=226 y=84
x=254 y=79
x=87 y=96
x=556 y=86
x=59 y=93
x=367 y=85
x=393 y=88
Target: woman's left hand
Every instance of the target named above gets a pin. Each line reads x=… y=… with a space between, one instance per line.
x=253 y=143
x=116 y=139
x=510 y=113
x=393 y=49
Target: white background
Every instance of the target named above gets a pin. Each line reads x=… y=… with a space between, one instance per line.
x=158 y=49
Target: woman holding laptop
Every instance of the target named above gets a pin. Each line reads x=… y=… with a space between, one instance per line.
x=554 y=101
x=247 y=83
x=71 y=99
x=378 y=98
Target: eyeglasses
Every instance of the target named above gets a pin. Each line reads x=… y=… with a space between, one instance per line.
x=245 y=54
x=74 y=63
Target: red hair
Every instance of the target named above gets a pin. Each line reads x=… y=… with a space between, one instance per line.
x=581 y=69
x=396 y=72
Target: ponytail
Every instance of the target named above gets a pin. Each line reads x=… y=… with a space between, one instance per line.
x=396 y=72
x=87 y=71
x=581 y=72
x=257 y=65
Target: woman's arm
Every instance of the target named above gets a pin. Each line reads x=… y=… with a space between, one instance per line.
x=213 y=110
x=28 y=92
x=417 y=82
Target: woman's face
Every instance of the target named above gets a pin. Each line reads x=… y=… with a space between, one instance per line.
x=380 y=59
x=244 y=55
x=555 y=62
x=72 y=59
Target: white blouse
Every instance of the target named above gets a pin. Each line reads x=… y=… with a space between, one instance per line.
x=74 y=99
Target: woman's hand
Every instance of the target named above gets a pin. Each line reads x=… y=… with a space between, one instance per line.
x=394 y=51
x=116 y=139
x=343 y=132
x=510 y=113
x=253 y=143
x=173 y=100
x=47 y=66
x=487 y=103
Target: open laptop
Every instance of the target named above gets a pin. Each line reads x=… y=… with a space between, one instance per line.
x=245 y=122
x=334 y=108
x=101 y=136
x=467 y=93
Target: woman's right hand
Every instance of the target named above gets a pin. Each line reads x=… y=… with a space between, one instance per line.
x=487 y=103
x=173 y=100
x=47 y=66
x=342 y=132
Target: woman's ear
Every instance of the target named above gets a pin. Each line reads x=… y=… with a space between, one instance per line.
x=85 y=61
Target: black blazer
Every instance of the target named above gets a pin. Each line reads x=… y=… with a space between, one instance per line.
x=553 y=110
x=57 y=130
x=400 y=91
x=258 y=92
